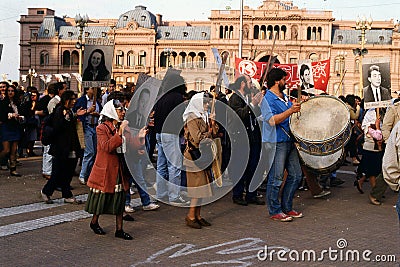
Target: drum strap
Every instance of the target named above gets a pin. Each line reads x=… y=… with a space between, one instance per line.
x=283 y=129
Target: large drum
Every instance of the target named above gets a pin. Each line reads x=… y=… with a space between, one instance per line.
x=321 y=130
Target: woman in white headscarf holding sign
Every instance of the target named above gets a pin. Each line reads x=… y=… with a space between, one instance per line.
x=107 y=181
x=199 y=129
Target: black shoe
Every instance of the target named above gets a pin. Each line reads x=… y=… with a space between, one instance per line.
x=123 y=235
x=240 y=201
x=97 y=229
x=336 y=182
x=193 y=223
x=357 y=185
x=15 y=173
x=203 y=222
x=256 y=200
x=128 y=218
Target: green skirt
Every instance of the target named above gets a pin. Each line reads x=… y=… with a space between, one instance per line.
x=105 y=203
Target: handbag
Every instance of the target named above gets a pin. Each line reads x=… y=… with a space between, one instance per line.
x=202 y=156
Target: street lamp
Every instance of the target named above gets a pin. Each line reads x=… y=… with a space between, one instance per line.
x=31 y=73
x=81 y=22
x=362 y=24
x=342 y=68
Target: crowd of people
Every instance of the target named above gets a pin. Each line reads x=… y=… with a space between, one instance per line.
x=97 y=129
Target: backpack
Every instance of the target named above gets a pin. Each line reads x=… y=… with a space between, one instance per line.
x=47 y=131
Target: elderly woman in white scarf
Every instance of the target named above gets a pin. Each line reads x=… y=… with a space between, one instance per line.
x=199 y=128
x=106 y=181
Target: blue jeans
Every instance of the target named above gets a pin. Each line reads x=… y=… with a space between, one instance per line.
x=138 y=179
x=89 y=154
x=169 y=163
x=286 y=157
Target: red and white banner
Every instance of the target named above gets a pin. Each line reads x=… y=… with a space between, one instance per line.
x=320 y=70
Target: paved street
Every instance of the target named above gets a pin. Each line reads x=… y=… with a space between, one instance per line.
x=36 y=234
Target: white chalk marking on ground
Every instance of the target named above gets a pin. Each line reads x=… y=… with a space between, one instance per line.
x=20 y=227
x=36 y=206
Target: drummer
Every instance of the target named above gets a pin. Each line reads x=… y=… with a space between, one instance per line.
x=278 y=146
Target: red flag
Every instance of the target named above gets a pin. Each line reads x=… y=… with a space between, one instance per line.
x=321 y=74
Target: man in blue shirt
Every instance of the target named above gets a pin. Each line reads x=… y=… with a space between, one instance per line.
x=279 y=146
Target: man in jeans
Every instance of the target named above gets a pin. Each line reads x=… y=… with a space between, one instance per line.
x=91 y=104
x=279 y=146
x=169 y=159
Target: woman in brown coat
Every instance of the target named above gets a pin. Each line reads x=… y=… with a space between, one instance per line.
x=198 y=130
x=107 y=182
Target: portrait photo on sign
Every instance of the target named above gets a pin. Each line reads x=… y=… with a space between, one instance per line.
x=97 y=65
x=142 y=103
x=304 y=71
x=376 y=80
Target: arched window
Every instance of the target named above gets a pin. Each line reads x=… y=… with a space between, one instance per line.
x=221 y=32
x=357 y=66
x=119 y=60
x=256 y=32
x=314 y=34
x=319 y=33
x=66 y=59
x=283 y=32
x=199 y=85
x=130 y=80
x=163 y=59
x=142 y=58
x=191 y=59
x=277 y=31
x=44 y=58
x=270 y=32
x=308 y=33
x=263 y=32
x=314 y=57
x=337 y=65
x=182 y=59
x=75 y=58
x=131 y=59
x=231 y=32
x=202 y=60
x=226 y=33
x=119 y=79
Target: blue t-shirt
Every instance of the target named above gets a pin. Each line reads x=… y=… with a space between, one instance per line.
x=272 y=105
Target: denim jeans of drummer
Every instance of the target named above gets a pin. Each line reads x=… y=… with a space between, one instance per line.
x=286 y=157
x=169 y=164
x=138 y=179
x=398 y=207
x=89 y=153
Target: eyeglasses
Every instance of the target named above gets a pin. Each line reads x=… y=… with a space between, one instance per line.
x=121 y=109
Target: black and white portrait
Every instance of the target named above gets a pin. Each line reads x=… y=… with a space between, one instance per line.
x=376 y=80
x=305 y=75
x=97 y=63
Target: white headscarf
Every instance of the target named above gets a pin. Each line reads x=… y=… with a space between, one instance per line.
x=109 y=111
x=196 y=108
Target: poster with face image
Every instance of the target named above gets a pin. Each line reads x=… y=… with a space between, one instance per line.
x=305 y=75
x=376 y=82
x=97 y=64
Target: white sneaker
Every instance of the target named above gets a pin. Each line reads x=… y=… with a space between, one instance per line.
x=129 y=209
x=180 y=201
x=131 y=191
x=151 y=206
x=82 y=181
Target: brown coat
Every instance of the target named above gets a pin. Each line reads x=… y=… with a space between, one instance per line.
x=107 y=164
x=198 y=182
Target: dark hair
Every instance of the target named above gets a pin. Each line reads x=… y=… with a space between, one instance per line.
x=15 y=98
x=351 y=100
x=372 y=68
x=396 y=100
x=116 y=95
x=341 y=97
x=102 y=69
x=67 y=95
x=190 y=94
x=6 y=83
x=236 y=85
x=275 y=75
x=173 y=82
x=51 y=89
x=303 y=68
x=112 y=81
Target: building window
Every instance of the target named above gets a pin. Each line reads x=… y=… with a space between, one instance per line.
x=256 y=32
x=87 y=34
x=103 y=34
x=75 y=58
x=314 y=57
x=293 y=60
x=130 y=80
x=357 y=66
x=125 y=18
x=283 y=32
x=46 y=32
x=185 y=34
x=308 y=33
x=199 y=85
x=34 y=33
x=381 y=38
x=70 y=34
x=119 y=79
x=142 y=58
x=340 y=38
x=263 y=32
x=337 y=65
x=167 y=34
x=202 y=60
x=131 y=59
x=44 y=58
x=119 y=58
x=66 y=59
x=270 y=31
x=143 y=18
x=319 y=33
x=40 y=12
x=203 y=34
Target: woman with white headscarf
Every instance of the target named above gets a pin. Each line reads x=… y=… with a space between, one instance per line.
x=106 y=181
x=199 y=126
